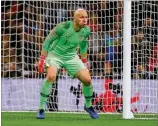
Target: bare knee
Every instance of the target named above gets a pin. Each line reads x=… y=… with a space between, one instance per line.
x=51 y=78
x=51 y=74
x=87 y=81
x=84 y=76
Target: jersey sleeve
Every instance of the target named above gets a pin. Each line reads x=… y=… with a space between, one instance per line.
x=53 y=35
x=84 y=43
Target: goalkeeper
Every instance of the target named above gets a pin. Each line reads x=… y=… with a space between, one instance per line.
x=60 y=50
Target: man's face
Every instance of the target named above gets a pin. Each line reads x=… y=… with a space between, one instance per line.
x=140 y=36
x=81 y=18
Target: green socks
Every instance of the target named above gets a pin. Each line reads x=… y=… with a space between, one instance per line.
x=45 y=91
x=88 y=92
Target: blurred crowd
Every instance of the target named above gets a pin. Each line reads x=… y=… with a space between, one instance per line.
x=25 y=25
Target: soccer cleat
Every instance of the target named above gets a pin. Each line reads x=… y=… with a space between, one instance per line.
x=40 y=114
x=91 y=112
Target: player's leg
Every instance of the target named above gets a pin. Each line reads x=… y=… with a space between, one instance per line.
x=47 y=85
x=84 y=76
x=76 y=69
x=52 y=64
x=46 y=90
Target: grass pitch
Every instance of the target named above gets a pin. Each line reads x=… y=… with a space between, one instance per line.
x=65 y=119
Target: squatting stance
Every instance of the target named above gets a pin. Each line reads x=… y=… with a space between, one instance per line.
x=60 y=50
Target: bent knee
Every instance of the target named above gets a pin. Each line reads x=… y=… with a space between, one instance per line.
x=87 y=81
x=51 y=78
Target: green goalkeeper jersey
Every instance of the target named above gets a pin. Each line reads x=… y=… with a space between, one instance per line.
x=63 y=40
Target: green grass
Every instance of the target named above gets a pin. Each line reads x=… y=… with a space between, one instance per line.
x=65 y=119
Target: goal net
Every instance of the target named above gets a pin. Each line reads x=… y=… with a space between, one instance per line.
x=25 y=25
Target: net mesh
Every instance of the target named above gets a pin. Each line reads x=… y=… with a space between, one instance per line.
x=24 y=26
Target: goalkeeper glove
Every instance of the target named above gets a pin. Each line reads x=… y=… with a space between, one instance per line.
x=41 y=64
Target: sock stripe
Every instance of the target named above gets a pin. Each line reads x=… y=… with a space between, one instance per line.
x=88 y=96
x=44 y=95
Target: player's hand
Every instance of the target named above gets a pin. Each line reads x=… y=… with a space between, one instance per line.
x=41 y=64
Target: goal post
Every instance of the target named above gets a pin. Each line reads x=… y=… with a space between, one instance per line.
x=127 y=114
x=122 y=53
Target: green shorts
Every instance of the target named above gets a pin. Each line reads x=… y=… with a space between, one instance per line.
x=72 y=66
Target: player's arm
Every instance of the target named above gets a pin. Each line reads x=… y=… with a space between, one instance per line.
x=53 y=35
x=83 y=50
x=49 y=39
x=84 y=47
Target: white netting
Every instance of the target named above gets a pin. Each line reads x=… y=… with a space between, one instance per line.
x=24 y=28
